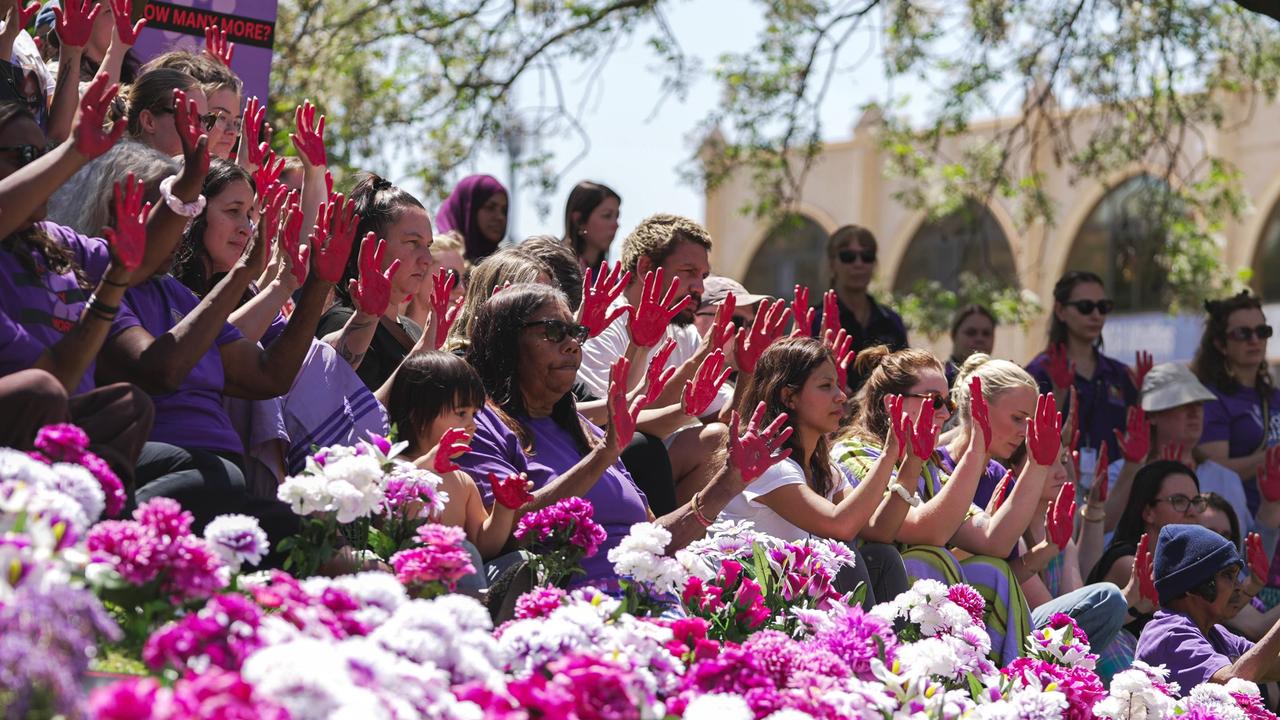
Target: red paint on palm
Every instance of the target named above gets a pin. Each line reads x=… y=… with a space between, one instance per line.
x=1062 y=372
x=128 y=239
x=754 y=450
x=979 y=411
x=1135 y=442
x=371 y=294
x=511 y=491
x=91 y=137
x=656 y=309
x=1044 y=432
x=217 y=45
x=701 y=391
x=598 y=293
x=309 y=138
x=453 y=443
x=74 y=21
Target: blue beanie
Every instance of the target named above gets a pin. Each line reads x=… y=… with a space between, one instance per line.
x=1187 y=556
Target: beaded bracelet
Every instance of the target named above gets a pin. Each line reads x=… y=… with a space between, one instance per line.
x=697 y=512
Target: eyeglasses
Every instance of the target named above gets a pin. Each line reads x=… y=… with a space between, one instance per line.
x=207 y=121
x=27 y=154
x=557 y=330
x=1086 y=307
x=939 y=400
x=1180 y=502
x=226 y=121
x=849 y=256
x=1245 y=334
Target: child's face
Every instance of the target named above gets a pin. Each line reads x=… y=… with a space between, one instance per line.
x=458 y=417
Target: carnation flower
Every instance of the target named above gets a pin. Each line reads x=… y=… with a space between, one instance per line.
x=1080 y=685
x=164 y=517
x=441 y=558
x=568 y=520
x=969 y=599
x=416 y=491
x=718 y=706
x=62 y=442
x=539 y=602
x=856 y=638
x=237 y=539
x=223 y=634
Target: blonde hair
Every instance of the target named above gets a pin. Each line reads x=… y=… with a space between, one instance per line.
x=450 y=241
x=998 y=377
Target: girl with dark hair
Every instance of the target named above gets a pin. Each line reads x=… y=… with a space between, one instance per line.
x=375 y=345
x=806 y=495
x=591 y=222
x=973 y=330
x=477 y=210
x=1104 y=386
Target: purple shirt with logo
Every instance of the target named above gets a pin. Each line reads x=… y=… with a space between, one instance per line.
x=193 y=416
x=38 y=309
x=1173 y=640
x=618 y=503
x=1104 y=399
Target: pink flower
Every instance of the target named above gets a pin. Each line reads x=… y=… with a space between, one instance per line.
x=495 y=706
x=969 y=599
x=164 y=517
x=568 y=521
x=222 y=635
x=383 y=444
x=602 y=690
x=539 y=602
x=62 y=442
x=1061 y=620
x=126 y=546
x=133 y=699
x=856 y=638
x=441 y=558
x=1081 y=686
x=1253 y=707
x=221 y=695
x=112 y=488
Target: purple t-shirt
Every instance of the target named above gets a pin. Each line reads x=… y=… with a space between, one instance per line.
x=991 y=477
x=1237 y=418
x=1173 y=640
x=1104 y=399
x=192 y=417
x=38 y=309
x=618 y=503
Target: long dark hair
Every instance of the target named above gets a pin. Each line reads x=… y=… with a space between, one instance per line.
x=1219 y=503
x=1210 y=363
x=379 y=204
x=787 y=365
x=191 y=264
x=1146 y=488
x=495 y=354
x=427 y=384
x=1061 y=294
x=585 y=197
x=33 y=239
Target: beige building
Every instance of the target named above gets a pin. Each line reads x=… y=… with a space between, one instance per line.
x=1099 y=226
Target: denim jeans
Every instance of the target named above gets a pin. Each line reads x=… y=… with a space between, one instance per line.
x=1099 y=609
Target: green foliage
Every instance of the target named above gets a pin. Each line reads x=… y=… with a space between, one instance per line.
x=929 y=307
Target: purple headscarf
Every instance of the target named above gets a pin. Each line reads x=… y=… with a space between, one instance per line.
x=458 y=212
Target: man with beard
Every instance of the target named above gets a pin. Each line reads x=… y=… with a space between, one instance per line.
x=680 y=248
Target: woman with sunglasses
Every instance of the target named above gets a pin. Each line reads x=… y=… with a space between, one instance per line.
x=852 y=253
x=1104 y=386
x=147 y=106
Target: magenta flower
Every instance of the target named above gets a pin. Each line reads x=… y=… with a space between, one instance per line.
x=1081 y=685
x=128 y=547
x=441 y=557
x=539 y=602
x=601 y=690
x=856 y=639
x=133 y=699
x=62 y=442
x=221 y=695
x=969 y=599
x=222 y=635
x=1253 y=707
x=567 y=521
x=164 y=517
x=112 y=488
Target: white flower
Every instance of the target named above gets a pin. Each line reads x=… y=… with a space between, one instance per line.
x=1217 y=700
x=304 y=493
x=17 y=465
x=380 y=594
x=52 y=505
x=1024 y=704
x=237 y=539
x=718 y=706
x=80 y=484
x=695 y=566
x=1134 y=696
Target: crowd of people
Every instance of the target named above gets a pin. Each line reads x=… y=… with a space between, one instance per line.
x=210 y=312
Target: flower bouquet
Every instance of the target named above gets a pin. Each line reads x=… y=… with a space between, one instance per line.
x=560 y=536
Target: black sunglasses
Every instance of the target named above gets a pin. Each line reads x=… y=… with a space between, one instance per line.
x=848 y=256
x=208 y=120
x=1086 y=307
x=939 y=400
x=1245 y=334
x=27 y=154
x=557 y=330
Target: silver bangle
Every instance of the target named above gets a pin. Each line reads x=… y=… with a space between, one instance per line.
x=907 y=496
x=186 y=210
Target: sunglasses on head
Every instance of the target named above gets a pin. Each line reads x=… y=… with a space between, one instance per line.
x=939 y=400
x=1086 y=307
x=557 y=330
x=849 y=256
x=1245 y=334
x=27 y=154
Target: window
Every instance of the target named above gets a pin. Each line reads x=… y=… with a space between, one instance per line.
x=968 y=240
x=1121 y=241
x=794 y=252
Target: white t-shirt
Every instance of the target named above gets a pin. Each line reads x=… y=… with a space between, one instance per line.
x=747 y=506
x=601 y=352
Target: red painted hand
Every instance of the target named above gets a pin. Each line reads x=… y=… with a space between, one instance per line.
x=271 y=202
x=256 y=138
x=900 y=429
x=998 y=495
x=195 y=143
x=771 y=318
x=74 y=21
x=722 y=327
x=1062 y=372
x=291 y=242
x=1135 y=443
x=269 y=170
x=1141 y=366
x=1044 y=431
x=217 y=45
x=1142 y=566
x=622 y=418
x=651 y=319
x=754 y=450
x=20 y=16
x=1101 y=475
x=1059 y=523
x=331 y=240
x=1071 y=428
x=979 y=411
x=1172 y=451
x=924 y=435
x=512 y=491
x=453 y=443
x=598 y=294
x=444 y=310
x=701 y=391
x=830 y=313
x=371 y=294
x=657 y=375
x=309 y=138
x=91 y=137
x=1257 y=556
x=128 y=239
x=802 y=313
x=1269 y=475
x=121 y=11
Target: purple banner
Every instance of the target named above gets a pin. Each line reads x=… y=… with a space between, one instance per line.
x=180 y=24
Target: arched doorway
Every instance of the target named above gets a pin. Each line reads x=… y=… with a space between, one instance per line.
x=1122 y=240
x=1266 y=261
x=794 y=252
x=969 y=240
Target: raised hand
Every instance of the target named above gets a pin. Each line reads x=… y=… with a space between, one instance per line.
x=1173 y=451
x=445 y=312
x=1257 y=556
x=1135 y=442
x=269 y=169
x=722 y=328
x=598 y=294
x=1101 y=477
x=128 y=239
x=998 y=495
x=979 y=411
x=122 y=10
x=91 y=137
x=453 y=443
x=1062 y=372
x=622 y=418
x=754 y=450
x=195 y=143
x=337 y=222
x=802 y=313
x=701 y=391
x=271 y=201
x=74 y=21
x=841 y=345
x=657 y=375
x=651 y=319
x=900 y=429
x=257 y=142
x=1059 y=523
x=830 y=313
x=291 y=242
x=1269 y=475
x=371 y=294
x=1071 y=428
x=924 y=434
x=1044 y=432
x=771 y=317
x=1141 y=366
x=512 y=491
x=309 y=138
x=1142 y=567
x=217 y=45
x=17 y=18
